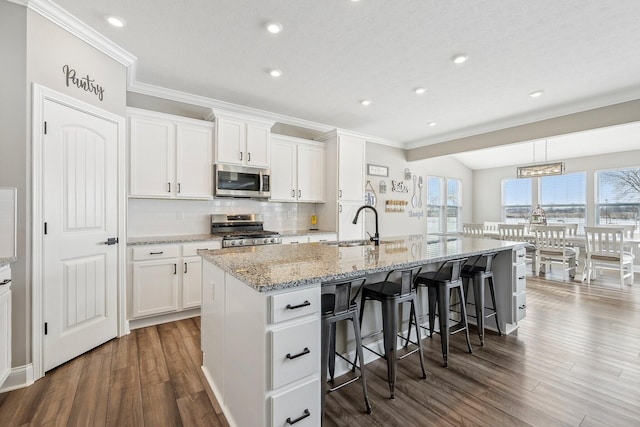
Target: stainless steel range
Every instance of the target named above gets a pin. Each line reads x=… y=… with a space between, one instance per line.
x=242 y=230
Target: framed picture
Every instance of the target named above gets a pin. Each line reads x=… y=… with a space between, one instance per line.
x=377 y=170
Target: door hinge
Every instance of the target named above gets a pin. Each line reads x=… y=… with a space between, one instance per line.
x=45 y=328
x=45 y=228
x=45 y=128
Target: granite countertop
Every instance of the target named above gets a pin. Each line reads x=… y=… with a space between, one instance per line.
x=6 y=260
x=274 y=267
x=154 y=240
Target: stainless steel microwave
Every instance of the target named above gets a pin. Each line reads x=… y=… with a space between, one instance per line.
x=241 y=181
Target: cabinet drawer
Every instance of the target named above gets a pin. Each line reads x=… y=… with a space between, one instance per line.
x=323 y=237
x=5 y=277
x=299 y=406
x=519 y=306
x=155 y=252
x=191 y=249
x=519 y=255
x=292 y=240
x=519 y=279
x=295 y=352
x=289 y=305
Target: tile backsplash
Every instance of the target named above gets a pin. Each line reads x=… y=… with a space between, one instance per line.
x=156 y=217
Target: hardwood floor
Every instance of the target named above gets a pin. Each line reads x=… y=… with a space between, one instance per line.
x=574 y=362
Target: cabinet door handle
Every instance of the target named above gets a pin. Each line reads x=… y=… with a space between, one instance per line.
x=175 y=268
x=169 y=185
x=304 y=415
x=248 y=156
x=5 y=281
x=299 y=193
x=293 y=193
x=293 y=307
x=302 y=353
x=185 y=268
x=340 y=194
x=241 y=155
x=340 y=208
x=522 y=277
x=178 y=187
x=156 y=253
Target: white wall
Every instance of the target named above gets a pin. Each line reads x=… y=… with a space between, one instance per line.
x=413 y=220
x=487 y=187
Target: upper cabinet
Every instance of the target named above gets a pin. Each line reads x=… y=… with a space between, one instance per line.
x=242 y=140
x=297 y=170
x=351 y=168
x=170 y=156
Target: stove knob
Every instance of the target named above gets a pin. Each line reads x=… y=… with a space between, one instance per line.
x=265 y=241
x=233 y=243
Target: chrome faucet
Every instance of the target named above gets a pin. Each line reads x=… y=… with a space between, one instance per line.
x=376 y=237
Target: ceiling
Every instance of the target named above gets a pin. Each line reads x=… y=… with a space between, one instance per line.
x=334 y=53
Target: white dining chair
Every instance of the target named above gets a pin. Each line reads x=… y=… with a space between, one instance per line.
x=473 y=230
x=517 y=233
x=605 y=250
x=552 y=248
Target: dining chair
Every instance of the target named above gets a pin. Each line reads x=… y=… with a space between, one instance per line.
x=551 y=248
x=605 y=250
x=518 y=233
x=473 y=230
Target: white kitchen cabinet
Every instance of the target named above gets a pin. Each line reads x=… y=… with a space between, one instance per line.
x=166 y=278
x=170 y=156
x=297 y=170
x=5 y=323
x=261 y=350
x=345 y=166
x=242 y=140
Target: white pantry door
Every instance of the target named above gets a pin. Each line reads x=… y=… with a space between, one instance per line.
x=80 y=206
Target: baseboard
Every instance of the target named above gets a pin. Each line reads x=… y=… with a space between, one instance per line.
x=218 y=397
x=20 y=377
x=163 y=318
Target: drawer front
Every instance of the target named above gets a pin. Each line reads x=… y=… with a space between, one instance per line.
x=299 y=406
x=5 y=278
x=519 y=278
x=191 y=249
x=289 y=305
x=292 y=240
x=519 y=306
x=154 y=252
x=519 y=255
x=295 y=352
x=322 y=238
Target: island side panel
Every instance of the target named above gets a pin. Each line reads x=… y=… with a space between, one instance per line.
x=212 y=327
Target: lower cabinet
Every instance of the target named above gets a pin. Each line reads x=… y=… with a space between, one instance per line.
x=261 y=351
x=166 y=278
x=310 y=238
x=5 y=323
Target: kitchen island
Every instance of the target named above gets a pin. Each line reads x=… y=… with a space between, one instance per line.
x=260 y=324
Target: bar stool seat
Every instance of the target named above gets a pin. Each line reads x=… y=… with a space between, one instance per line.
x=439 y=285
x=391 y=295
x=481 y=273
x=336 y=306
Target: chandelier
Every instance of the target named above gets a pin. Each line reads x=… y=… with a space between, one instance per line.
x=540 y=169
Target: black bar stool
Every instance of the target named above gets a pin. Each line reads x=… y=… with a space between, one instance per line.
x=391 y=294
x=480 y=272
x=439 y=284
x=337 y=305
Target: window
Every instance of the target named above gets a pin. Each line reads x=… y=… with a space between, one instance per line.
x=564 y=198
x=444 y=205
x=618 y=199
x=516 y=200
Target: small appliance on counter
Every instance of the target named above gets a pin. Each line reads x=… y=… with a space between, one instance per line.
x=242 y=230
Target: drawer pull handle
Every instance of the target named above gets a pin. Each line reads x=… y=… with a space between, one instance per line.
x=302 y=353
x=156 y=253
x=522 y=277
x=523 y=306
x=304 y=415
x=5 y=281
x=293 y=307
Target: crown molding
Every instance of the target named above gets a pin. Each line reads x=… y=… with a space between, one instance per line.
x=20 y=2
x=73 y=25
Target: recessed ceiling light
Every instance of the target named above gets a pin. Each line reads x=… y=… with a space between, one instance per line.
x=420 y=90
x=275 y=73
x=536 y=94
x=116 y=21
x=459 y=59
x=365 y=102
x=432 y=124
x=274 y=27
